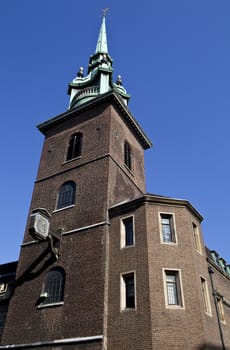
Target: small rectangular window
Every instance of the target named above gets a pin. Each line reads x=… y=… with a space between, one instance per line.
x=205 y=295
x=196 y=236
x=127 y=155
x=173 y=288
x=127 y=232
x=220 y=308
x=75 y=145
x=128 y=291
x=167 y=228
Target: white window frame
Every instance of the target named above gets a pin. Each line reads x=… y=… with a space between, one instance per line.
x=196 y=237
x=3 y=287
x=220 y=308
x=123 y=306
x=206 y=297
x=122 y=232
x=172 y=215
x=177 y=272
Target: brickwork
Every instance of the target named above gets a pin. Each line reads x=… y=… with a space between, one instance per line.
x=81 y=314
x=186 y=326
x=91 y=254
x=101 y=179
x=131 y=326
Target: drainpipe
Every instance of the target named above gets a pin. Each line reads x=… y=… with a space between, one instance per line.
x=210 y=270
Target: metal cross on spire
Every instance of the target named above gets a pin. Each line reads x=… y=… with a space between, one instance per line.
x=104 y=11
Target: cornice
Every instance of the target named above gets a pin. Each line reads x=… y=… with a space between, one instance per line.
x=109 y=96
x=149 y=198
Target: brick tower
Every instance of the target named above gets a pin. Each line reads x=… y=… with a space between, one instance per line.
x=92 y=159
x=103 y=265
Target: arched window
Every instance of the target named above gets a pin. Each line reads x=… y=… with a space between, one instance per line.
x=53 y=287
x=75 y=145
x=127 y=155
x=66 y=195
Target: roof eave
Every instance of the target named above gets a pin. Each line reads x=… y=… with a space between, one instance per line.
x=154 y=199
x=145 y=141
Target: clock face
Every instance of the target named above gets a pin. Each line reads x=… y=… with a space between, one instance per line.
x=42 y=225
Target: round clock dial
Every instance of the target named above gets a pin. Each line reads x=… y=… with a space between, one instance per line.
x=42 y=225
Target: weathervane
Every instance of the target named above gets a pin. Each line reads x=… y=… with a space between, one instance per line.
x=105 y=11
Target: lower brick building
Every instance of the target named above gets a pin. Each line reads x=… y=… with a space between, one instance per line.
x=103 y=264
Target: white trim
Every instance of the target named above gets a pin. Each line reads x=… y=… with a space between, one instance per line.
x=29 y=243
x=123 y=291
x=209 y=308
x=69 y=232
x=54 y=342
x=220 y=308
x=3 y=287
x=71 y=160
x=86 y=227
x=43 y=306
x=196 y=238
x=64 y=208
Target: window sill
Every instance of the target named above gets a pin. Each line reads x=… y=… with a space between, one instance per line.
x=127 y=246
x=42 y=306
x=208 y=314
x=129 y=170
x=175 y=307
x=128 y=309
x=68 y=207
x=71 y=160
x=170 y=243
x=199 y=252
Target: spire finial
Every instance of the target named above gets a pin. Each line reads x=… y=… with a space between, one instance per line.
x=104 y=11
x=102 y=39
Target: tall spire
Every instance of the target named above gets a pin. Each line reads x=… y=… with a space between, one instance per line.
x=102 y=46
x=99 y=78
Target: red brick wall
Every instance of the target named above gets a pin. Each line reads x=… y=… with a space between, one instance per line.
x=152 y=324
x=101 y=179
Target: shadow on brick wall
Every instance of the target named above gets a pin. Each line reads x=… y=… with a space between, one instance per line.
x=36 y=268
x=210 y=347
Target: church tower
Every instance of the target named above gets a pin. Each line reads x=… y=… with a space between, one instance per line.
x=104 y=265
x=92 y=159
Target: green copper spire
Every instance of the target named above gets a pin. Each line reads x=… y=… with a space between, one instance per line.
x=98 y=80
x=102 y=38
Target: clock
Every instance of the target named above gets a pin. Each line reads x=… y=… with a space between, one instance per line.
x=39 y=225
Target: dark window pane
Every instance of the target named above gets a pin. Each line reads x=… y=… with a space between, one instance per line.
x=128 y=223
x=53 y=287
x=130 y=291
x=3 y=313
x=75 y=145
x=66 y=195
x=127 y=154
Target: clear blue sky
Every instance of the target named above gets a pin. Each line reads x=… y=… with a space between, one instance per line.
x=174 y=58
